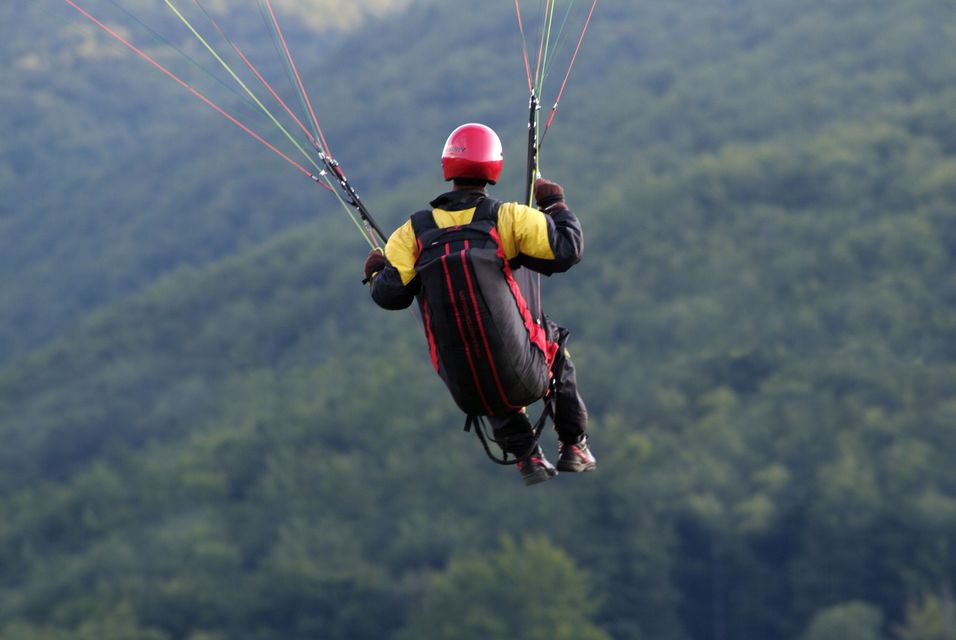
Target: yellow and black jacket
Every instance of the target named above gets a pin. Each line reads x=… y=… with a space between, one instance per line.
x=529 y=238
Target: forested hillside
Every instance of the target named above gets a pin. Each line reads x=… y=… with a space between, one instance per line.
x=116 y=175
x=224 y=438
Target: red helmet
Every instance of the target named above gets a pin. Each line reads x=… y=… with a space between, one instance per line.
x=473 y=151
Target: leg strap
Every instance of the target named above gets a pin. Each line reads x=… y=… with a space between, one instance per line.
x=485 y=435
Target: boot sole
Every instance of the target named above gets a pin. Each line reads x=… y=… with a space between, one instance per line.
x=538 y=477
x=576 y=467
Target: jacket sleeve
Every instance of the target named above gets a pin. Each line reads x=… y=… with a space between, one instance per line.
x=544 y=243
x=396 y=286
x=388 y=291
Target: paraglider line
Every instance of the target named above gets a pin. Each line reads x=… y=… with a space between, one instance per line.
x=570 y=66
x=545 y=32
x=524 y=47
x=160 y=38
x=195 y=92
x=258 y=75
x=298 y=78
x=242 y=84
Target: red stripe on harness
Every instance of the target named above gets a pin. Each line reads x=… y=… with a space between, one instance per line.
x=432 y=347
x=535 y=331
x=484 y=335
x=464 y=338
x=426 y=313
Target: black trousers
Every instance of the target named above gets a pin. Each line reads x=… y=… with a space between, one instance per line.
x=515 y=433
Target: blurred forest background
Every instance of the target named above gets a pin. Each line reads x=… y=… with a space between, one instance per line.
x=209 y=432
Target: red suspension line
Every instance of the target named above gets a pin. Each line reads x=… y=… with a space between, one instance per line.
x=196 y=93
x=570 y=66
x=544 y=29
x=258 y=75
x=298 y=78
x=524 y=48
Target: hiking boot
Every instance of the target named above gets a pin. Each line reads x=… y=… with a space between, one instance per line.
x=535 y=468
x=576 y=457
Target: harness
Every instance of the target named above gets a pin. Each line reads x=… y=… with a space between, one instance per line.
x=485 y=344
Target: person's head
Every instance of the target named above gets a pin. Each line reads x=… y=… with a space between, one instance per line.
x=472 y=156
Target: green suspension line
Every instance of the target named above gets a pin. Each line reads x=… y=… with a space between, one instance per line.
x=558 y=39
x=290 y=75
x=166 y=41
x=242 y=84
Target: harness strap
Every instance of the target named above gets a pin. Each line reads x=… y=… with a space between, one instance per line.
x=481 y=428
x=485 y=211
x=423 y=221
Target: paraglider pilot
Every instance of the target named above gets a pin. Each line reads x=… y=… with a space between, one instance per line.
x=468 y=260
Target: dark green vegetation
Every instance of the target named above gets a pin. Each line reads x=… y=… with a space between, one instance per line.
x=209 y=432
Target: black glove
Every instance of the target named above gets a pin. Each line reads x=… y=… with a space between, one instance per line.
x=374 y=263
x=548 y=195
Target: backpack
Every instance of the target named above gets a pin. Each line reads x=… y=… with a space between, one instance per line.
x=484 y=338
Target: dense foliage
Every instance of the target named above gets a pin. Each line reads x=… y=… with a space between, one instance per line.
x=233 y=442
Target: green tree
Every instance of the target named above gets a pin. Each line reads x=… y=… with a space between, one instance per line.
x=531 y=590
x=846 y=621
x=930 y=618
